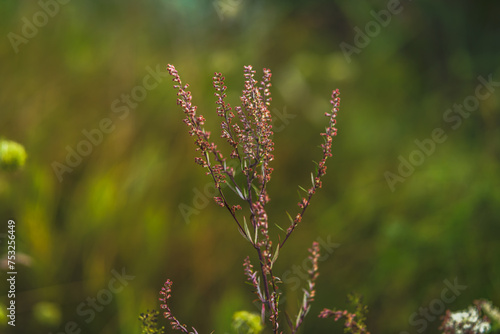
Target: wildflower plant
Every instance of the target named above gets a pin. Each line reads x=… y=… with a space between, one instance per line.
x=482 y=317
x=150 y=323
x=247 y=129
x=12 y=155
x=353 y=322
x=246 y=323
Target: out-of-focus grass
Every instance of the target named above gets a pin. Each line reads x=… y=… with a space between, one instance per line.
x=119 y=208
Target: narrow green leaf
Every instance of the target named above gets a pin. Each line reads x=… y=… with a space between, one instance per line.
x=231 y=187
x=307 y=310
x=238 y=191
x=304 y=297
x=247 y=231
x=281 y=228
x=256 y=189
x=255 y=234
x=298 y=317
x=303 y=189
x=275 y=257
x=242 y=234
x=312 y=179
x=259 y=292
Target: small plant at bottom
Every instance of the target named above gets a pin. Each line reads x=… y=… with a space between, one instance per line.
x=354 y=322
x=165 y=295
x=246 y=323
x=150 y=323
x=247 y=129
x=12 y=155
x=480 y=318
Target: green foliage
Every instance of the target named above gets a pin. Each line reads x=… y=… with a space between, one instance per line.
x=246 y=323
x=150 y=323
x=493 y=313
x=3 y=315
x=12 y=155
x=482 y=317
x=48 y=313
x=354 y=323
x=361 y=312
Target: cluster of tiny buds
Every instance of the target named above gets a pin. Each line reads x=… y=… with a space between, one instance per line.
x=326 y=313
x=165 y=295
x=252 y=277
x=310 y=292
x=313 y=272
x=350 y=323
x=330 y=132
x=328 y=135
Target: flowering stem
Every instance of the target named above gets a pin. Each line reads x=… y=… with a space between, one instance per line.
x=250 y=138
x=330 y=132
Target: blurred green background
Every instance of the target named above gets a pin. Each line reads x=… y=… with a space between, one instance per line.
x=117 y=210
